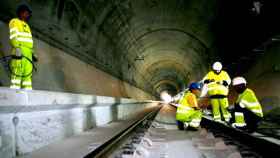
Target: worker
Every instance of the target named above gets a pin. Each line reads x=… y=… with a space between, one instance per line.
x=188 y=114
x=217 y=82
x=22 y=49
x=247 y=110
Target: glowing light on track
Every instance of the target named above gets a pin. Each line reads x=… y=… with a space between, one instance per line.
x=167 y=98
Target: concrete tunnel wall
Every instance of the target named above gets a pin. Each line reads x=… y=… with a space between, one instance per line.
x=30 y=120
x=152 y=45
x=264 y=78
x=59 y=71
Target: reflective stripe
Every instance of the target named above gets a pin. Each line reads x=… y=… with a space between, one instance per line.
x=227 y=119
x=27 y=88
x=15 y=81
x=27 y=83
x=257 y=110
x=217 y=117
x=227 y=116
x=186 y=124
x=196 y=120
x=242 y=105
x=22 y=34
x=239 y=124
x=182 y=111
x=13 y=36
x=14 y=87
x=22 y=39
x=13 y=29
x=250 y=104
x=25 y=34
x=238 y=114
x=194 y=124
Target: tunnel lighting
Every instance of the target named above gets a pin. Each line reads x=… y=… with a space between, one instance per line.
x=139 y=57
x=258 y=50
x=275 y=39
x=165 y=97
x=257 y=7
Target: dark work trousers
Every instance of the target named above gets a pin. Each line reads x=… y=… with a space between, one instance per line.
x=180 y=125
x=252 y=120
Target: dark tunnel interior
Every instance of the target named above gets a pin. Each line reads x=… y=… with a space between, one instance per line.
x=156 y=45
x=107 y=67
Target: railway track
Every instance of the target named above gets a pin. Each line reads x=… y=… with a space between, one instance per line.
x=249 y=145
x=148 y=138
x=109 y=147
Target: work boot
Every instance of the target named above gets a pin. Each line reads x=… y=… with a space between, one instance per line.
x=242 y=128
x=180 y=125
x=186 y=125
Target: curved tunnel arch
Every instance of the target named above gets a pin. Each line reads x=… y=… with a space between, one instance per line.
x=112 y=35
x=166 y=45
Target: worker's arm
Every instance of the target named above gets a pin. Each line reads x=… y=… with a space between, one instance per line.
x=206 y=79
x=249 y=101
x=14 y=33
x=227 y=79
x=193 y=101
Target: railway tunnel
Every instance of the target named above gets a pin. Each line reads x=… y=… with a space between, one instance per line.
x=119 y=53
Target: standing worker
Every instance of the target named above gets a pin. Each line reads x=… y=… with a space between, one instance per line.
x=188 y=112
x=217 y=82
x=247 y=110
x=22 y=48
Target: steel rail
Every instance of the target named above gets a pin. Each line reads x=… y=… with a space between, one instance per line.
x=104 y=148
x=260 y=145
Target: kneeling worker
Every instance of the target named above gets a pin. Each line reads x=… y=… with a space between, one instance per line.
x=247 y=110
x=188 y=112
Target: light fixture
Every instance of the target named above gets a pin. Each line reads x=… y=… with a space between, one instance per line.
x=257 y=7
x=275 y=39
x=139 y=57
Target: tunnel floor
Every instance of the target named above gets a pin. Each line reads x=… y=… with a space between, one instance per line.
x=164 y=137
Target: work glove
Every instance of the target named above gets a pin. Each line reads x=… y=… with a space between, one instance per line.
x=34 y=58
x=206 y=81
x=230 y=108
x=225 y=83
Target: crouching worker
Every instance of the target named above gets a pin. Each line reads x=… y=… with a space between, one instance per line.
x=188 y=114
x=247 y=110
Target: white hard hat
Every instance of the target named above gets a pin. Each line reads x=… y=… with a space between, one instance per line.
x=217 y=66
x=238 y=81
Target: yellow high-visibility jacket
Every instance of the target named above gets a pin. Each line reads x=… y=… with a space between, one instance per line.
x=189 y=100
x=216 y=87
x=186 y=106
x=223 y=75
x=249 y=101
x=20 y=34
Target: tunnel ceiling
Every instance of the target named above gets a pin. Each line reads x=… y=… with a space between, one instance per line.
x=155 y=45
